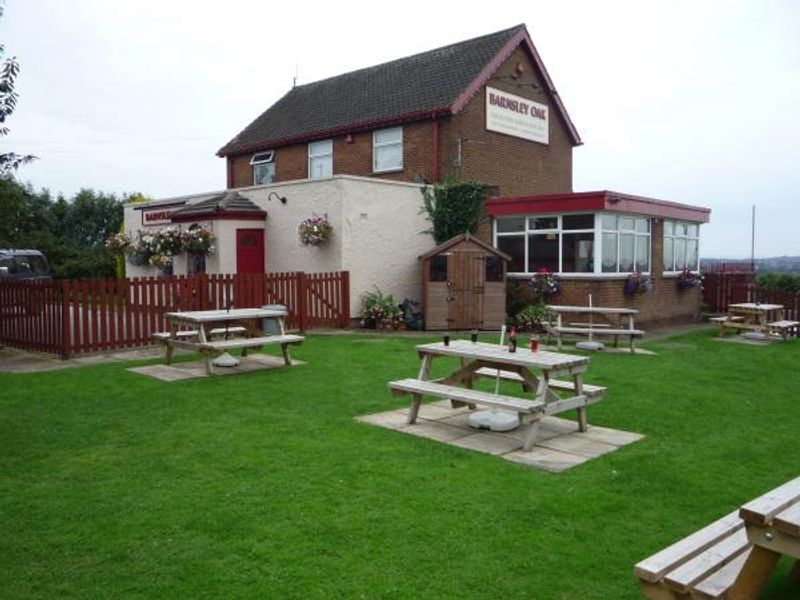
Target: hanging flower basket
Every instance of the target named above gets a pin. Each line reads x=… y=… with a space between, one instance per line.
x=315 y=230
x=688 y=279
x=637 y=283
x=162 y=262
x=545 y=283
x=198 y=240
x=118 y=243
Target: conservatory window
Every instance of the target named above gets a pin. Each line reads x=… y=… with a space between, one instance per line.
x=681 y=245
x=626 y=244
x=561 y=243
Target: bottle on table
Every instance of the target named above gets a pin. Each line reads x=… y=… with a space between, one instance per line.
x=512 y=340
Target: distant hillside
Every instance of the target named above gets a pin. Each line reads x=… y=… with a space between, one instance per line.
x=777 y=264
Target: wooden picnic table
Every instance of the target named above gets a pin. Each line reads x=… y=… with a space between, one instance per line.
x=591 y=328
x=536 y=371
x=241 y=328
x=772 y=524
x=733 y=557
x=752 y=316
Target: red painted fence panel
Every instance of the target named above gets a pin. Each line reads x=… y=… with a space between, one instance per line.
x=90 y=315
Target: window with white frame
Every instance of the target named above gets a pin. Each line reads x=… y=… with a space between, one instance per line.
x=561 y=243
x=263 y=167
x=681 y=241
x=320 y=159
x=575 y=243
x=387 y=150
x=626 y=243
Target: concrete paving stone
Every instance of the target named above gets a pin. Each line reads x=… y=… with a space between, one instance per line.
x=393 y=419
x=546 y=459
x=578 y=443
x=432 y=412
x=434 y=430
x=447 y=405
x=196 y=369
x=612 y=436
x=163 y=372
x=488 y=443
x=460 y=420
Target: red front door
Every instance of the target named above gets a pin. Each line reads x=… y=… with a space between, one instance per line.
x=249 y=250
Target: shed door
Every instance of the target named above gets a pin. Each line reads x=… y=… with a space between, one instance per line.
x=466 y=272
x=249 y=250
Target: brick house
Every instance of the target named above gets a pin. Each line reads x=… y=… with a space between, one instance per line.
x=484 y=109
x=418 y=119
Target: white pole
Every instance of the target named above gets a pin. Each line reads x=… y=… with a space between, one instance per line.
x=591 y=319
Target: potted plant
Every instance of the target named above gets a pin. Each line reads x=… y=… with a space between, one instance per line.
x=637 y=283
x=689 y=279
x=380 y=311
x=545 y=283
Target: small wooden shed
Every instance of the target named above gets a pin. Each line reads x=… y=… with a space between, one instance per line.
x=464 y=285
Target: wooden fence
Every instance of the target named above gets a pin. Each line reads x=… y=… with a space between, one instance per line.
x=90 y=315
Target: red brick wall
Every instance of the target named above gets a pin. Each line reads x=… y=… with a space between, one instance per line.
x=665 y=304
x=349 y=158
x=515 y=165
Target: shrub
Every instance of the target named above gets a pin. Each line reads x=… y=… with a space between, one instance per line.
x=380 y=310
x=453 y=208
x=532 y=318
x=779 y=282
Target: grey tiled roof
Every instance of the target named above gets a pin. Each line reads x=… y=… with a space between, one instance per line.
x=415 y=84
x=221 y=203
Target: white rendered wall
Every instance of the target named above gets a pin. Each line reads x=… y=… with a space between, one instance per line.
x=383 y=239
x=376 y=234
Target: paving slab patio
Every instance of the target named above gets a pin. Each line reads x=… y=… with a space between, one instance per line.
x=196 y=369
x=560 y=446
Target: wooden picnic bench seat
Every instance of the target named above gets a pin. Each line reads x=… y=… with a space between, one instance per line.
x=592 y=391
x=704 y=565
x=253 y=342
x=725 y=319
x=193 y=333
x=783 y=328
x=631 y=334
x=529 y=411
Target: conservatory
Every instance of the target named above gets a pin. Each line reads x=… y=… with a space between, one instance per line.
x=595 y=239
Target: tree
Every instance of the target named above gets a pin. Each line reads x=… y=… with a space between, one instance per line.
x=9 y=69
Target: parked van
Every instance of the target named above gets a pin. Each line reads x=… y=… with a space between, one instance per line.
x=23 y=264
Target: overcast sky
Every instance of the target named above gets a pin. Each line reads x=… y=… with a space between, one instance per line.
x=695 y=102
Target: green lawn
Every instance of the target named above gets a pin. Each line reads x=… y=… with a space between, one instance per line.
x=262 y=485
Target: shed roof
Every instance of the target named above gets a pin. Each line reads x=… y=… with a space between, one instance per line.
x=464 y=237
x=225 y=205
x=439 y=81
x=600 y=201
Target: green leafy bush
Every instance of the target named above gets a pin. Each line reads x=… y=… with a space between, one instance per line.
x=380 y=310
x=532 y=318
x=453 y=208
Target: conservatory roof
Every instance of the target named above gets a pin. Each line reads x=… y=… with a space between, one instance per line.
x=600 y=201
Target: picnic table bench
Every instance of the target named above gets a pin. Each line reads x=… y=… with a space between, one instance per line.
x=731 y=558
x=244 y=324
x=474 y=357
x=616 y=329
x=754 y=316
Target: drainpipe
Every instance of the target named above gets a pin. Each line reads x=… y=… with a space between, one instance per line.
x=435 y=130
x=230 y=171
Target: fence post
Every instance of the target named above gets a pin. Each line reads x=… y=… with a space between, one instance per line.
x=66 y=330
x=302 y=301
x=344 y=303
